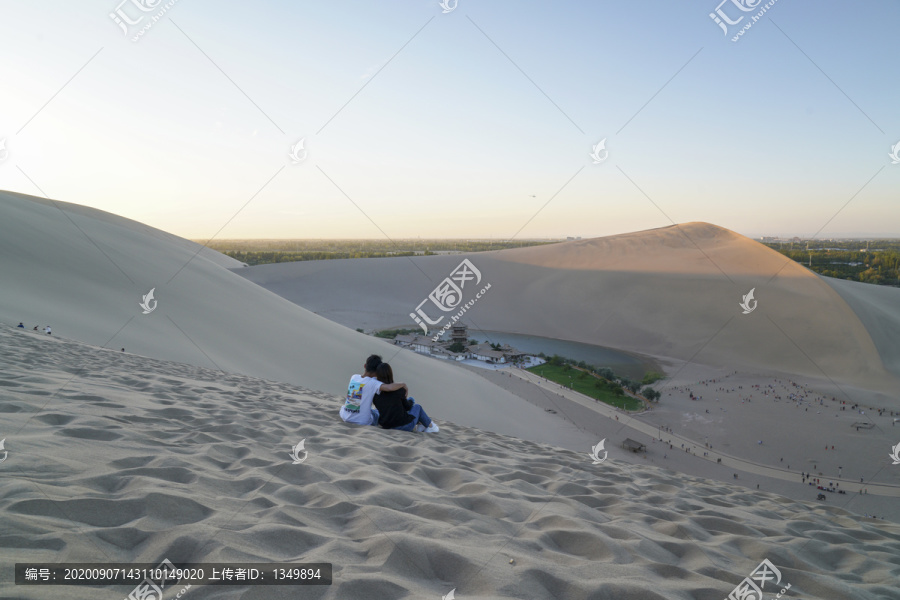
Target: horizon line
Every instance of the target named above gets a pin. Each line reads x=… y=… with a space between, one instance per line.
x=787 y=237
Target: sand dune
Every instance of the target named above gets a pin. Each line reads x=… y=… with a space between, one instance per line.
x=84 y=272
x=878 y=308
x=138 y=459
x=672 y=292
x=179 y=447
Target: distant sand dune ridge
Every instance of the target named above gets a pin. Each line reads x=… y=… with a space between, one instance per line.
x=672 y=292
x=116 y=457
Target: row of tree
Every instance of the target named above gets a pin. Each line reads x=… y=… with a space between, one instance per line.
x=880 y=267
x=259 y=252
x=265 y=258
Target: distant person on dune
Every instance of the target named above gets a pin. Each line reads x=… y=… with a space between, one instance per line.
x=397 y=411
x=361 y=391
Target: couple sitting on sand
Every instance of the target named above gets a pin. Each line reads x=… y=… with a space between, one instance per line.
x=392 y=409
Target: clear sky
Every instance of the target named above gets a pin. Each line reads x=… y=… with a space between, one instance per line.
x=478 y=122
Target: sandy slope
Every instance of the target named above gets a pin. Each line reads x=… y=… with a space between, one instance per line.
x=878 y=308
x=85 y=271
x=670 y=292
x=115 y=457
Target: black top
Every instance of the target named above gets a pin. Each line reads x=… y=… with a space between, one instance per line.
x=391 y=410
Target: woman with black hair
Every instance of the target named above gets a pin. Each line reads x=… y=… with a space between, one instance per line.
x=396 y=410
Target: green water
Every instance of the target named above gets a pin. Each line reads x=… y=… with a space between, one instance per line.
x=629 y=365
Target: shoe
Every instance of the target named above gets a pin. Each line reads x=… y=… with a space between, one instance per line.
x=419 y=428
x=433 y=428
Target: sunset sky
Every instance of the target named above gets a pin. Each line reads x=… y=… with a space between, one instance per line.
x=478 y=122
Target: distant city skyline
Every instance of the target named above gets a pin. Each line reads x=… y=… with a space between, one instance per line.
x=508 y=120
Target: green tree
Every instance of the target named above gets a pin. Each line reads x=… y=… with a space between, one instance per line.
x=633 y=386
x=650 y=394
x=392 y=333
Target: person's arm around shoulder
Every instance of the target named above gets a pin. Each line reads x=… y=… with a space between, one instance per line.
x=392 y=387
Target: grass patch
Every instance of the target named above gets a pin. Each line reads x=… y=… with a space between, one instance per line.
x=651 y=378
x=597 y=388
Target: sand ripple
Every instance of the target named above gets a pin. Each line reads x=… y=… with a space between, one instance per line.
x=137 y=459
